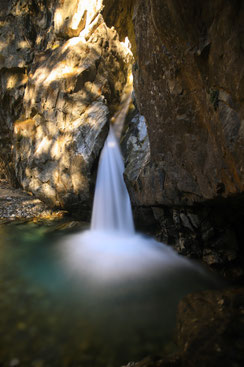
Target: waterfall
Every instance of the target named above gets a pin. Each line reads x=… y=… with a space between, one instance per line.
x=111 y=206
x=111 y=251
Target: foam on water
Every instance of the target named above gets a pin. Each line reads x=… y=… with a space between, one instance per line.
x=107 y=256
x=111 y=250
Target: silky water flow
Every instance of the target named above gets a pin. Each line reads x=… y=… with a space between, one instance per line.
x=135 y=279
x=111 y=249
x=112 y=207
x=101 y=297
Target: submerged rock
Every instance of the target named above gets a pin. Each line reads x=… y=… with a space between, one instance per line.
x=209 y=331
x=211 y=328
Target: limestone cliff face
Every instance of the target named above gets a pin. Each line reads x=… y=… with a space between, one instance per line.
x=62 y=72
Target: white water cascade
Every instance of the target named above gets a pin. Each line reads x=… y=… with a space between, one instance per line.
x=111 y=251
x=111 y=208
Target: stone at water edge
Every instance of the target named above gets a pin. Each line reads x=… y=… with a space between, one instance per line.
x=211 y=328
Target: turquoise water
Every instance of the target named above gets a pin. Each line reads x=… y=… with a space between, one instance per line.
x=51 y=315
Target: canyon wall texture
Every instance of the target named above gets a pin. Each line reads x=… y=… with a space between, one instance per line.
x=189 y=80
x=63 y=71
x=190 y=62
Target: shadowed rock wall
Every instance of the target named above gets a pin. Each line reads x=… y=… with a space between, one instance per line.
x=189 y=80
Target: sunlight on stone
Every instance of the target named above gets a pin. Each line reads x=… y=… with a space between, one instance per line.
x=28 y=202
x=58 y=19
x=73 y=41
x=127 y=43
x=58 y=72
x=43 y=146
x=87 y=7
x=58 y=148
x=24 y=128
x=23 y=44
x=12 y=81
x=82 y=8
x=74 y=16
x=89 y=28
x=2 y=45
x=38 y=39
x=56 y=151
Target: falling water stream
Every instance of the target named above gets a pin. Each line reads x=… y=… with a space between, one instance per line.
x=112 y=207
x=100 y=297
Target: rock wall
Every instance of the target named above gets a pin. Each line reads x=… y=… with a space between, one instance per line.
x=189 y=80
x=63 y=72
x=62 y=75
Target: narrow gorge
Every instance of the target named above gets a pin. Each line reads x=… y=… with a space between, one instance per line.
x=65 y=70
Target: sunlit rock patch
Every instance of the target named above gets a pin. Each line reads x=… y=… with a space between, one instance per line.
x=18 y=205
x=62 y=74
x=72 y=17
x=66 y=112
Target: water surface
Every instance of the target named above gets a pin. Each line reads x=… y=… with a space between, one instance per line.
x=65 y=302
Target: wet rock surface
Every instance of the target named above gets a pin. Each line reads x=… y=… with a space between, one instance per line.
x=135 y=146
x=210 y=234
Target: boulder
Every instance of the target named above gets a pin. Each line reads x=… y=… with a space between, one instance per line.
x=210 y=328
x=66 y=113
x=62 y=73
